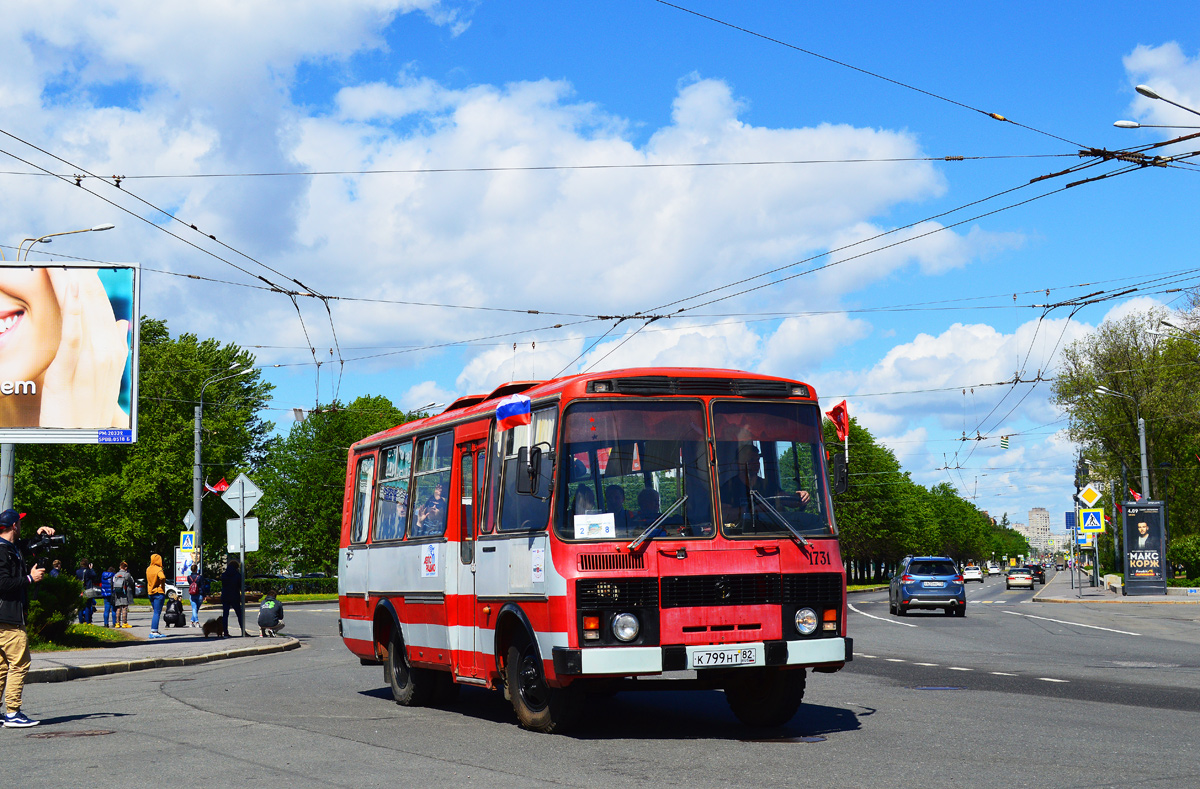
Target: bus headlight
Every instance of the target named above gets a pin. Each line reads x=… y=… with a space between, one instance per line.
x=806 y=621
x=625 y=627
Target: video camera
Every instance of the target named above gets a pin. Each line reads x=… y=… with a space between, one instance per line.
x=47 y=543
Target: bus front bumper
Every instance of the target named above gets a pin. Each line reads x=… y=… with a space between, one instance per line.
x=630 y=661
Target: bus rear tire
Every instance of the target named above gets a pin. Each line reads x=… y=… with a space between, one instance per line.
x=538 y=706
x=765 y=697
x=411 y=687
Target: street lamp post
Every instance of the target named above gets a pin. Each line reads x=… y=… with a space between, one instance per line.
x=8 y=452
x=1141 y=425
x=197 y=470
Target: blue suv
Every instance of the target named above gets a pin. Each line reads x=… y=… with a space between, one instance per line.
x=927 y=582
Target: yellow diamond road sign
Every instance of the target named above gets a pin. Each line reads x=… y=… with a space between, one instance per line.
x=1089 y=496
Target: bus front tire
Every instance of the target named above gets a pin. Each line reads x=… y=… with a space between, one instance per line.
x=411 y=687
x=538 y=706
x=765 y=697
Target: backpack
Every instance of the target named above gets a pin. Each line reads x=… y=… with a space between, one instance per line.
x=194 y=586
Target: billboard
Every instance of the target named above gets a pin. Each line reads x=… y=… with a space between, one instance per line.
x=1145 y=549
x=68 y=352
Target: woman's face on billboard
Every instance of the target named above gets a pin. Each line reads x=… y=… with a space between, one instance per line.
x=30 y=324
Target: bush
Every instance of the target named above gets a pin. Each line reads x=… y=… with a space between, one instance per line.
x=278 y=586
x=1186 y=551
x=53 y=604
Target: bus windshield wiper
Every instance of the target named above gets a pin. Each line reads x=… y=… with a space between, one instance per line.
x=633 y=546
x=796 y=535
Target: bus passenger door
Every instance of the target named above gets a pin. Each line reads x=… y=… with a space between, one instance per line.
x=472 y=457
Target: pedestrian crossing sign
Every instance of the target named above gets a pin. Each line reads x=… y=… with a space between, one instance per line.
x=187 y=540
x=1091 y=521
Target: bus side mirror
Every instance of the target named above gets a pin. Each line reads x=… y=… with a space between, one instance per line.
x=841 y=474
x=529 y=468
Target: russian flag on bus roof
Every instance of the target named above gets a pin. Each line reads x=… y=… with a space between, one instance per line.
x=512 y=411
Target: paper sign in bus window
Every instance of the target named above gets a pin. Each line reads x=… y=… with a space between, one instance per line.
x=595 y=526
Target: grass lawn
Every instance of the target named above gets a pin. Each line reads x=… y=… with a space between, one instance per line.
x=83 y=637
x=865 y=587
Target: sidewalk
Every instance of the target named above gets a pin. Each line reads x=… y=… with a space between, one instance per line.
x=184 y=646
x=1059 y=590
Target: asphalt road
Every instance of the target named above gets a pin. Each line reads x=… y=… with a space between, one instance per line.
x=315 y=717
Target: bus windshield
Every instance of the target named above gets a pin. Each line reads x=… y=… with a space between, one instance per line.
x=769 y=467
x=625 y=463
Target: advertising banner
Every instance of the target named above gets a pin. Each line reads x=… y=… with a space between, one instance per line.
x=68 y=353
x=1145 y=548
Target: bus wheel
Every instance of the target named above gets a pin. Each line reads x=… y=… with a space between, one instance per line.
x=411 y=687
x=539 y=707
x=765 y=697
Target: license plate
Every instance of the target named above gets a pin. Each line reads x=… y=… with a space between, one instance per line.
x=729 y=656
x=933 y=584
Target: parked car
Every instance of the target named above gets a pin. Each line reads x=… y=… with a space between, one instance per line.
x=1039 y=572
x=1019 y=576
x=139 y=588
x=927 y=582
x=972 y=573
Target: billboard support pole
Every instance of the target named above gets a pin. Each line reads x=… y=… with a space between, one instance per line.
x=7 y=462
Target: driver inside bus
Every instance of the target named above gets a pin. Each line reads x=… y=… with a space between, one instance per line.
x=736 y=491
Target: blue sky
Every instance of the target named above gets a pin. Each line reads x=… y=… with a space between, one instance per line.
x=139 y=89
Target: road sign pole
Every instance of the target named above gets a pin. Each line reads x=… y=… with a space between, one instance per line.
x=242 y=546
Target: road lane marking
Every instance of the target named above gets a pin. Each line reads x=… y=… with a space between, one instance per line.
x=859 y=654
x=956 y=668
x=1052 y=679
x=880 y=618
x=925 y=664
x=1073 y=624
x=1003 y=674
x=895 y=660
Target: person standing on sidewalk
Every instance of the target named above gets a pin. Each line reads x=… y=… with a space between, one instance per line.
x=106 y=591
x=14 y=641
x=87 y=576
x=156 y=590
x=122 y=594
x=196 y=592
x=231 y=595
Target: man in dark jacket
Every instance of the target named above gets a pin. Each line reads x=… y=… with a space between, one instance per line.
x=14 y=642
x=270 y=616
x=231 y=595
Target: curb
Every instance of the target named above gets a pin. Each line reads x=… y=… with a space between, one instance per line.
x=1127 y=601
x=66 y=673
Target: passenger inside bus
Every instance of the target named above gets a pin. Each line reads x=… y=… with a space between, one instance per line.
x=648 y=507
x=431 y=516
x=736 y=491
x=614 y=501
x=585 y=500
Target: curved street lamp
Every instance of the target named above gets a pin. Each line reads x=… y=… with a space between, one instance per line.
x=1141 y=426
x=48 y=236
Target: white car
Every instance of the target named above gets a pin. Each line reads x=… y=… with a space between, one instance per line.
x=972 y=573
x=993 y=569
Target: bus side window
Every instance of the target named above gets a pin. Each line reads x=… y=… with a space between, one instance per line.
x=431 y=485
x=362 y=497
x=391 y=494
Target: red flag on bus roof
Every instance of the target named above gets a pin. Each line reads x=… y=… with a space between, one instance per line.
x=840 y=416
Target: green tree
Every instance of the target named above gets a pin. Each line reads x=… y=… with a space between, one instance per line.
x=303 y=477
x=1160 y=382
x=124 y=502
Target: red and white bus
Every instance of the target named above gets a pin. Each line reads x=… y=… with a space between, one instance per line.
x=646 y=524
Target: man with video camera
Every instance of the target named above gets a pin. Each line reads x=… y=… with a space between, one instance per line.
x=14 y=642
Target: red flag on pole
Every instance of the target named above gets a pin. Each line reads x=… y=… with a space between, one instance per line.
x=219 y=488
x=840 y=416
x=1136 y=496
